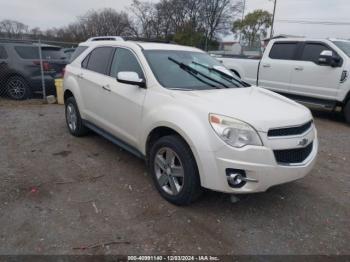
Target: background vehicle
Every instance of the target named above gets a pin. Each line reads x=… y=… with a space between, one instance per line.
x=105 y=38
x=20 y=73
x=188 y=117
x=312 y=71
x=68 y=52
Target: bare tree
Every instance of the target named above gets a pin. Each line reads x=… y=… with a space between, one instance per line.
x=192 y=22
x=12 y=28
x=145 y=13
x=218 y=16
x=188 y=18
x=94 y=23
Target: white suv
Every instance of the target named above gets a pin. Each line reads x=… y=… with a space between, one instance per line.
x=195 y=124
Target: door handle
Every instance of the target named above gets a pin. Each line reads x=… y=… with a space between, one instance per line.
x=107 y=88
x=299 y=68
x=81 y=76
x=266 y=65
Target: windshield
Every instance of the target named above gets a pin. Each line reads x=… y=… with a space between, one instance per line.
x=187 y=70
x=344 y=46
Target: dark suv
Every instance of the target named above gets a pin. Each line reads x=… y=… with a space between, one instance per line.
x=20 y=74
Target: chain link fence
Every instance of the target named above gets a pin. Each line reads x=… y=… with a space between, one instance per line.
x=28 y=68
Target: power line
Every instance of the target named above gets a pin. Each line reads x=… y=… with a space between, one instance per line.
x=312 y=22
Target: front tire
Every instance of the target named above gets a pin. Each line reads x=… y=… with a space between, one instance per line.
x=73 y=119
x=174 y=170
x=346 y=112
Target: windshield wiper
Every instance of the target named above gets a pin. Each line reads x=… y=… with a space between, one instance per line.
x=227 y=76
x=195 y=72
x=191 y=72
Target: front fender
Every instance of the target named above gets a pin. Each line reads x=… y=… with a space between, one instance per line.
x=193 y=127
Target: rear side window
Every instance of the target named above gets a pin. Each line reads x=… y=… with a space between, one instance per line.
x=32 y=52
x=283 y=51
x=78 y=52
x=312 y=52
x=99 y=60
x=52 y=53
x=125 y=60
x=27 y=52
x=3 y=53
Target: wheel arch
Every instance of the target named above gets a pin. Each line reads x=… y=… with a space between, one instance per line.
x=71 y=88
x=192 y=127
x=159 y=132
x=347 y=98
x=163 y=130
x=67 y=94
x=16 y=74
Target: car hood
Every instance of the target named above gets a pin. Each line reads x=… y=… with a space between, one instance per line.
x=259 y=107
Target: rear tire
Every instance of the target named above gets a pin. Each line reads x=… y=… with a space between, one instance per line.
x=346 y=112
x=174 y=170
x=17 y=88
x=73 y=119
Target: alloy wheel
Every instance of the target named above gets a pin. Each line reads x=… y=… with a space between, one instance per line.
x=169 y=171
x=71 y=115
x=16 y=89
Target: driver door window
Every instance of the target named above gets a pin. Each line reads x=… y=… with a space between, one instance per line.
x=312 y=52
x=308 y=78
x=125 y=61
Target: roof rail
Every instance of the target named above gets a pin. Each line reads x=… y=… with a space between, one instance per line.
x=153 y=40
x=105 y=38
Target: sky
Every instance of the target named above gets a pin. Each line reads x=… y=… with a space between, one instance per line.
x=55 y=13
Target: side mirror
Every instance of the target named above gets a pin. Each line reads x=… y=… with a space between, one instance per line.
x=131 y=78
x=327 y=57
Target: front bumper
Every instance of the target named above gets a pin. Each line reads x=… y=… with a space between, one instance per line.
x=258 y=162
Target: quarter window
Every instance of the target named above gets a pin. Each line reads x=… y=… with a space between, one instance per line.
x=125 y=60
x=99 y=60
x=78 y=52
x=283 y=51
x=3 y=54
x=312 y=52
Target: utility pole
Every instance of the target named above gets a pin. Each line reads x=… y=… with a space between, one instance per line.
x=240 y=33
x=273 y=17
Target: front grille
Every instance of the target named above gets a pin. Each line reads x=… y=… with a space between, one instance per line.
x=290 y=131
x=293 y=156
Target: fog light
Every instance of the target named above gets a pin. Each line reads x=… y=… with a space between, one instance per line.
x=236 y=178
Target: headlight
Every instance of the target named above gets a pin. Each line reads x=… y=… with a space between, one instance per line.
x=234 y=132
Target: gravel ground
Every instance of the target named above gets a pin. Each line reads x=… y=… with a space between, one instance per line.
x=66 y=195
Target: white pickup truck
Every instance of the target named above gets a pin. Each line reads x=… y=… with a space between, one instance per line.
x=312 y=71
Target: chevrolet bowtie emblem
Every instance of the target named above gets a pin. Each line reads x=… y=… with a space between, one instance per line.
x=303 y=142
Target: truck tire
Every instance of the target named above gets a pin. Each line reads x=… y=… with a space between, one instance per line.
x=346 y=111
x=73 y=119
x=174 y=170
